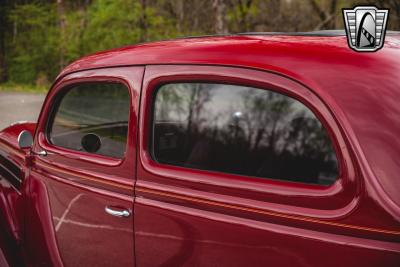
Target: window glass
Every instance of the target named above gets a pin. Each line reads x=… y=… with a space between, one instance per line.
x=241 y=130
x=92 y=117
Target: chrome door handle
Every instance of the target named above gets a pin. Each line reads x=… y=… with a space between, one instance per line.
x=42 y=153
x=118 y=212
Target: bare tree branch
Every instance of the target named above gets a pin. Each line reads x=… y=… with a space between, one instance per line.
x=220 y=23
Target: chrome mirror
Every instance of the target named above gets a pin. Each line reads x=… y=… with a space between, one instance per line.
x=25 y=139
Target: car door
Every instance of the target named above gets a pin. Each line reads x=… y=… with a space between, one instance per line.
x=83 y=171
x=240 y=167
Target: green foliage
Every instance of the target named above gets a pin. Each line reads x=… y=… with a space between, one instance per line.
x=115 y=23
x=33 y=42
x=40 y=37
x=240 y=16
x=40 y=47
x=111 y=24
x=18 y=87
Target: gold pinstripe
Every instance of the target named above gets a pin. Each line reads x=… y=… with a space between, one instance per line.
x=218 y=204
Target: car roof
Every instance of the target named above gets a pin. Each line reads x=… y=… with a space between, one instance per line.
x=253 y=50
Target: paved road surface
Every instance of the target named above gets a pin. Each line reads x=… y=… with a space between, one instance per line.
x=19 y=107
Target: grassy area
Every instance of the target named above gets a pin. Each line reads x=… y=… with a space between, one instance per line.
x=25 y=88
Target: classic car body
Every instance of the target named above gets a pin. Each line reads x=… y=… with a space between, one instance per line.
x=57 y=203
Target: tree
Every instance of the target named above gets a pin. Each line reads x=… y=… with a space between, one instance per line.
x=62 y=24
x=220 y=11
x=4 y=27
x=34 y=43
x=327 y=17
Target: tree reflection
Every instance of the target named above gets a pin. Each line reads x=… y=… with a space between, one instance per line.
x=241 y=130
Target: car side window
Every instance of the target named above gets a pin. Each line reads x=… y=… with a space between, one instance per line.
x=241 y=130
x=92 y=117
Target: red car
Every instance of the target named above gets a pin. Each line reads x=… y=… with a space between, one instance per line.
x=242 y=150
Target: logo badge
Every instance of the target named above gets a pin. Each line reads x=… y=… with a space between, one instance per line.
x=365 y=27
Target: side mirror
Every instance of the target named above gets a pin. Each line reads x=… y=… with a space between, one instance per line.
x=25 y=139
x=91 y=143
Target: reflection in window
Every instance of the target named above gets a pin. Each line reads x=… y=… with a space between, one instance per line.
x=241 y=130
x=101 y=109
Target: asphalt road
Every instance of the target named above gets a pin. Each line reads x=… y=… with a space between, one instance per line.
x=19 y=107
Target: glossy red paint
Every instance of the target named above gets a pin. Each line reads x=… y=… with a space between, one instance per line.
x=201 y=218
x=324 y=64
x=12 y=188
x=79 y=186
x=341 y=209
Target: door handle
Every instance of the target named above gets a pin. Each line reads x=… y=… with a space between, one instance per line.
x=118 y=212
x=42 y=153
